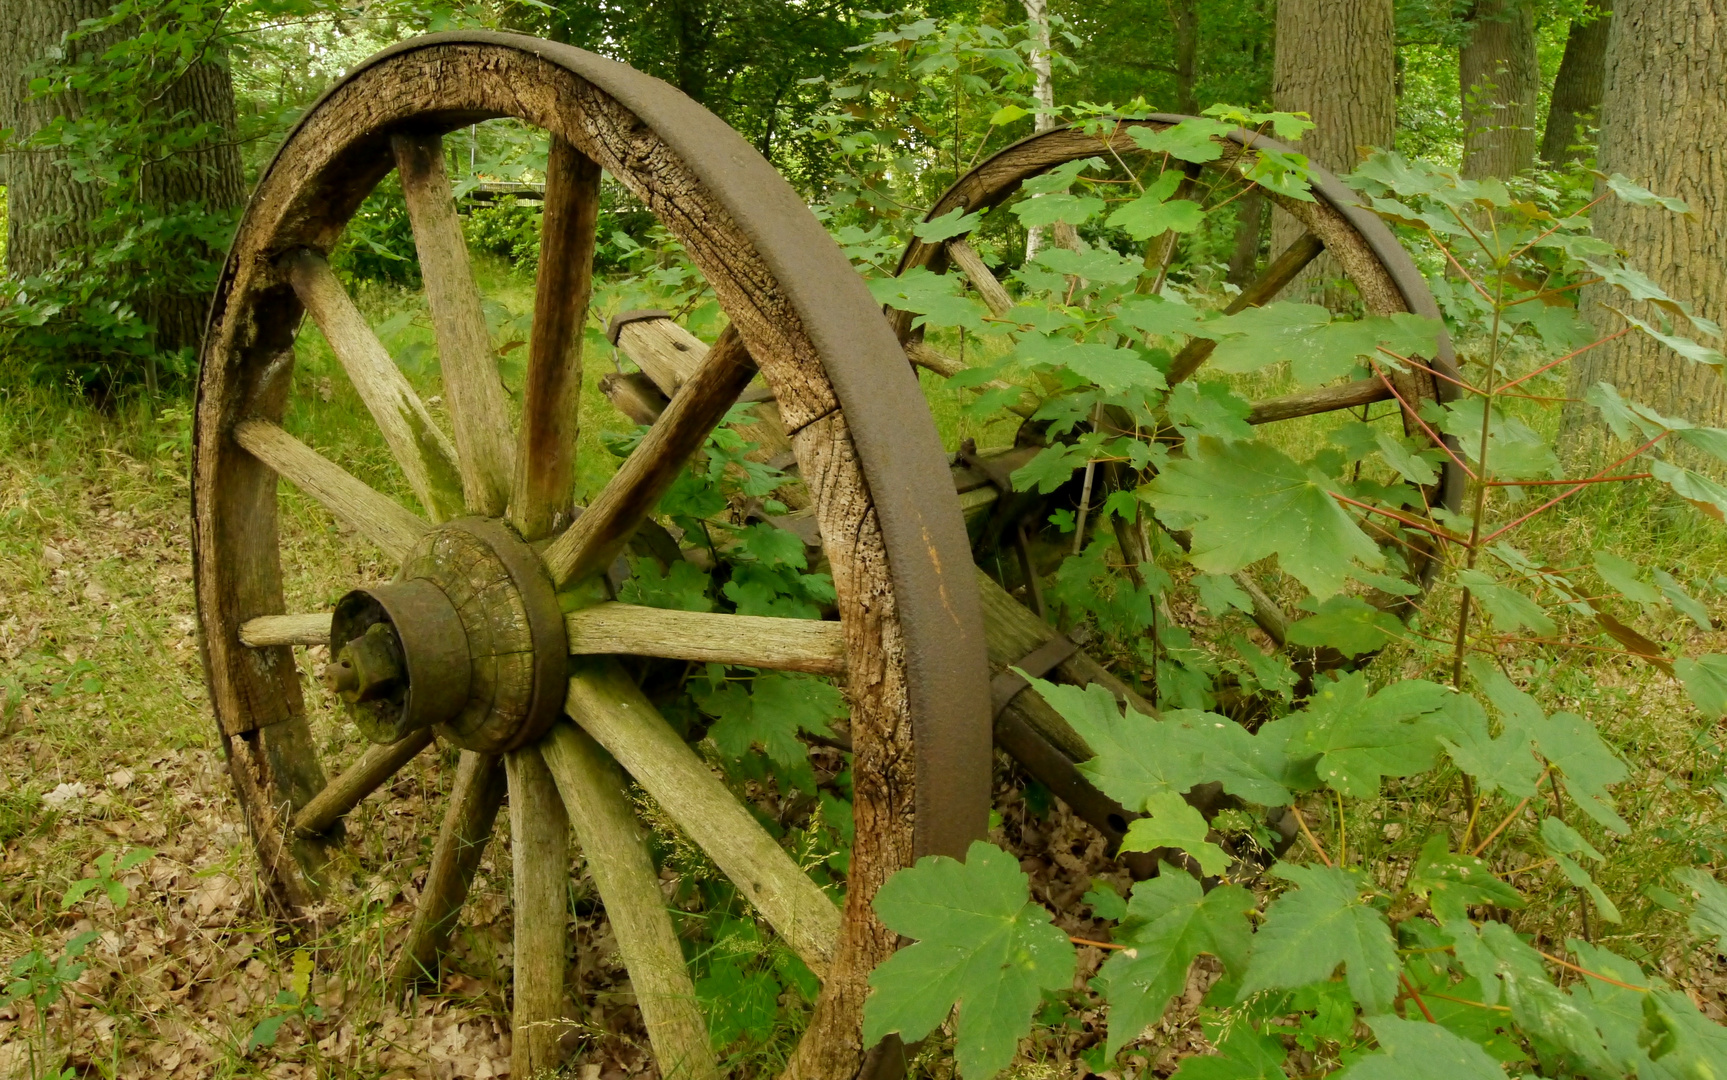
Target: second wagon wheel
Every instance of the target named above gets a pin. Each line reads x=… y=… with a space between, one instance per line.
x=468 y=644
x=1334 y=221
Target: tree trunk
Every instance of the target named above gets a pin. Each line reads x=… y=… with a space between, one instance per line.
x=1249 y=230
x=1037 y=16
x=209 y=176
x=1661 y=111
x=47 y=211
x=1184 y=15
x=1500 y=78
x=1336 y=61
x=53 y=216
x=1576 y=100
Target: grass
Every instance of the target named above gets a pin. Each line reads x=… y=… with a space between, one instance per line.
x=106 y=746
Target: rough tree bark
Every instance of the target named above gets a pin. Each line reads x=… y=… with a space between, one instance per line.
x=1500 y=78
x=51 y=214
x=1665 y=95
x=1576 y=99
x=1184 y=20
x=1336 y=61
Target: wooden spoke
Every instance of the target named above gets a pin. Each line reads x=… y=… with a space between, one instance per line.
x=978 y=273
x=471 y=388
x=540 y=861
x=605 y=702
x=666 y=352
x=379 y=518
x=780 y=644
x=1281 y=272
x=546 y=443
x=1328 y=399
x=474 y=801
x=605 y=526
x=420 y=447
x=285 y=630
x=615 y=847
x=342 y=794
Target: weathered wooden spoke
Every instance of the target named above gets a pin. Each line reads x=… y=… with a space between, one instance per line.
x=420 y=447
x=474 y=799
x=539 y=852
x=376 y=516
x=612 y=518
x=747 y=640
x=468 y=645
x=615 y=846
x=471 y=387
x=546 y=443
x=611 y=708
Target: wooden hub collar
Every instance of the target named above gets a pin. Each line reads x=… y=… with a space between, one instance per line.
x=468 y=640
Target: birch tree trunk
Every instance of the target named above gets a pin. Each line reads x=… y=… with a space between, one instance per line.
x=1661 y=125
x=1576 y=99
x=1037 y=15
x=1500 y=78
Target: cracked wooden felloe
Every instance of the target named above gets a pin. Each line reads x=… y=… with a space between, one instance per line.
x=830 y=396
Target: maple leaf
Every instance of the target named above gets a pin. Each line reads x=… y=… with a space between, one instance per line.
x=1315 y=927
x=1347 y=624
x=1417 y=1050
x=1353 y=738
x=982 y=945
x=1247 y=500
x=1453 y=881
x=1170 y=920
x=1171 y=823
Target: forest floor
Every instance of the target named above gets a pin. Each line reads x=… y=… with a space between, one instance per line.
x=107 y=748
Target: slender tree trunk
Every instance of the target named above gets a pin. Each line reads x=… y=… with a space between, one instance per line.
x=1661 y=125
x=1184 y=15
x=1037 y=15
x=1500 y=78
x=1576 y=100
x=1336 y=61
x=1249 y=230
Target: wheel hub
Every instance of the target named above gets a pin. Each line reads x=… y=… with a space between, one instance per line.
x=468 y=639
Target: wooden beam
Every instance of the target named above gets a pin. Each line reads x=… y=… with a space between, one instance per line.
x=342 y=794
x=610 y=707
x=981 y=277
x=285 y=630
x=420 y=447
x=1312 y=402
x=475 y=796
x=750 y=640
x=472 y=391
x=614 y=845
x=540 y=868
x=379 y=518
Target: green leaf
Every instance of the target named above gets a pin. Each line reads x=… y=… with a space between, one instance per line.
x=1574 y=747
x=1247 y=500
x=1158 y=315
x=1061 y=177
x=1209 y=408
x=1049 y=209
x=264 y=1034
x=955 y=222
x=1683 y=1042
x=1682 y=601
x=1050 y=468
x=1115 y=370
x=1007 y=114
x=1136 y=757
x=1705 y=680
x=1417 y=1050
x=1604 y=905
x=1691 y=350
x=1709 y=918
x=1170 y=920
x=1172 y=823
x=1242 y=1054
x=1104 y=901
x=1149 y=216
x=1193 y=140
x=1454 y=881
x=1504 y=962
x=982 y=945
x=1219 y=592
x=1099 y=265
x=1320 y=924
x=1347 y=624
x=1621 y=575
x=1508 y=608
x=1562 y=839
x=738 y=1003
x=1409 y=465
x=933 y=296
x=1638 y=195
x=771 y=715
x=1695 y=488
x=1354 y=739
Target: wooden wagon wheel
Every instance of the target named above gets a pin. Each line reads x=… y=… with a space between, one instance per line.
x=469 y=643
x=1368 y=253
